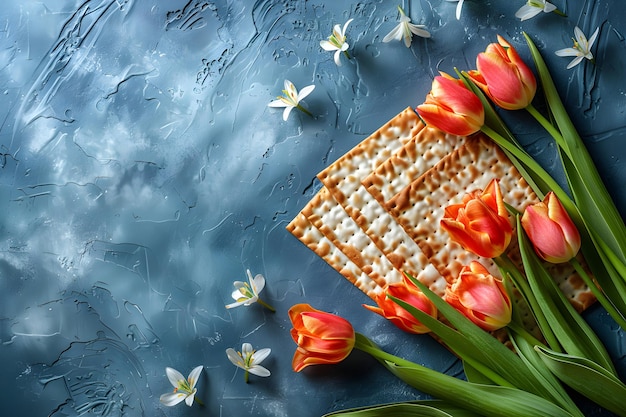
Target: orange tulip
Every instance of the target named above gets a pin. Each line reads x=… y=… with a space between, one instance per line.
x=504 y=77
x=481 y=297
x=551 y=230
x=322 y=338
x=452 y=107
x=409 y=293
x=481 y=223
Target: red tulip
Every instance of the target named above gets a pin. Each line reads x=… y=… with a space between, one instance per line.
x=551 y=230
x=481 y=297
x=409 y=293
x=452 y=107
x=504 y=77
x=481 y=223
x=322 y=338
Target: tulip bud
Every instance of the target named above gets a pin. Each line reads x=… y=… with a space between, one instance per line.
x=481 y=297
x=504 y=77
x=551 y=231
x=452 y=107
x=409 y=293
x=322 y=338
x=481 y=223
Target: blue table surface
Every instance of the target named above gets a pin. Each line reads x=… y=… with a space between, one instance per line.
x=142 y=172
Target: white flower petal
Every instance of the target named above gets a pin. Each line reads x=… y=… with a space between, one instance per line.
x=580 y=37
x=257 y=284
x=246 y=350
x=345 y=27
x=277 y=103
x=190 y=397
x=395 y=34
x=235 y=358
x=174 y=376
x=260 y=355
x=459 y=6
x=194 y=375
x=258 y=370
x=567 y=52
x=593 y=38
x=305 y=92
x=575 y=62
x=337 y=58
x=238 y=303
x=527 y=12
x=172 y=398
x=327 y=46
x=419 y=31
x=286 y=112
x=549 y=7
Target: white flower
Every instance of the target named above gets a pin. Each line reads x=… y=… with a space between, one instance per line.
x=249 y=359
x=405 y=30
x=581 y=49
x=184 y=389
x=337 y=42
x=459 y=6
x=291 y=99
x=247 y=293
x=533 y=7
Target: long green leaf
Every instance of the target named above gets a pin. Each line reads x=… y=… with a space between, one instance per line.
x=588 y=379
x=608 y=218
x=486 y=400
x=425 y=408
x=526 y=351
x=573 y=333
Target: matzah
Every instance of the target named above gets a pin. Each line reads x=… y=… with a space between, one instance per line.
x=379 y=210
x=420 y=154
x=395 y=250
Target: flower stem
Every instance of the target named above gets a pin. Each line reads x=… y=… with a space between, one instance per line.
x=363 y=344
x=304 y=110
x=549 y=127
x=346 y=54
x=527 y=160
x=199 y=401
x=264 y=304
x=246 y=376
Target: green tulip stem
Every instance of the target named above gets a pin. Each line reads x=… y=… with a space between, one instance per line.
x=549 y=127
x=527 y=160
x=246 y=376
x=264 y=304
x=362 y=343
x=304 y=110
x=598 y=293
x=199 y=401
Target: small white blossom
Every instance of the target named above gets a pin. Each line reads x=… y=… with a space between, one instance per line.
x=249 y=360
x=184 y=389
x=533 y=7
x=247 y=293
x=459 y=6
x=291 y=99
x=337 y=42
x=581 y=49
x=405 y=30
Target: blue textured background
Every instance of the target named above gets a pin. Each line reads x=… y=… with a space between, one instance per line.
x=142 y=173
